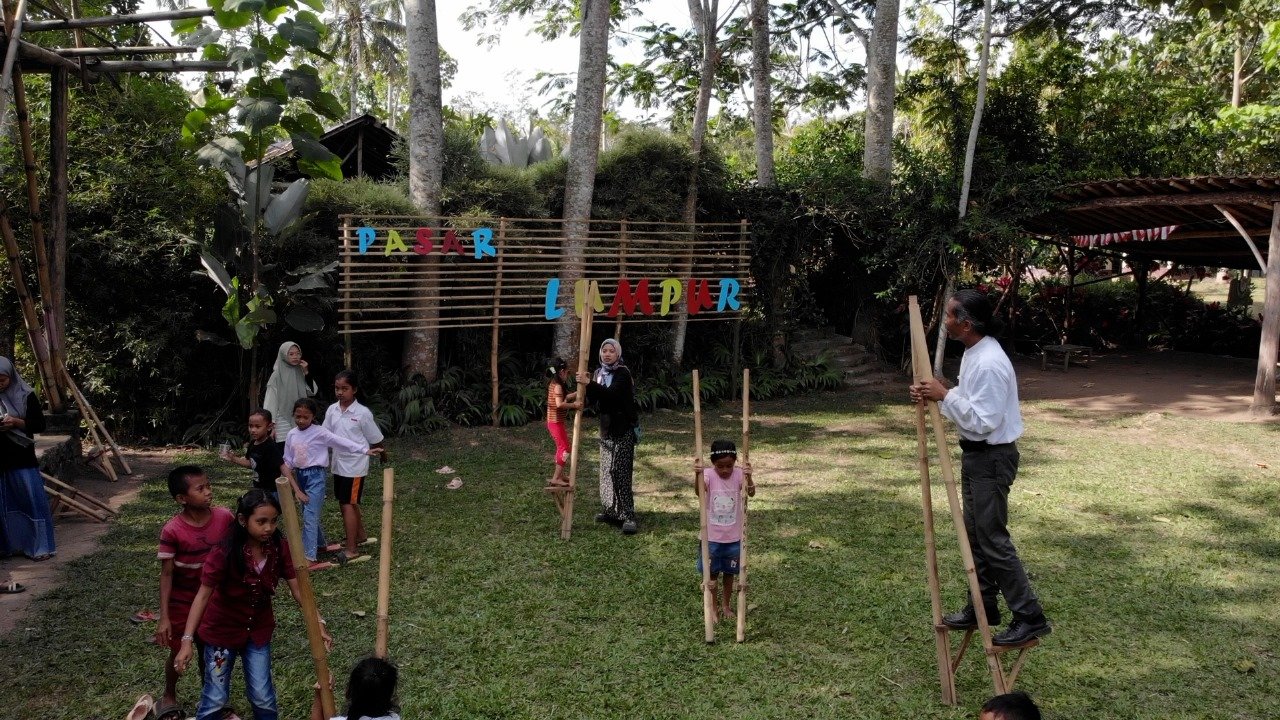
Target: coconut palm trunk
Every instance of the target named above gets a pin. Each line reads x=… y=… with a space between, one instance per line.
x=882 y=76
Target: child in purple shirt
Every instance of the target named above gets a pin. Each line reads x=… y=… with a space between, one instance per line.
x=306 y=456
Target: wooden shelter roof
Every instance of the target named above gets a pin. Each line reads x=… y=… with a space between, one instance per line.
x=364 y=143
x=1183 y=220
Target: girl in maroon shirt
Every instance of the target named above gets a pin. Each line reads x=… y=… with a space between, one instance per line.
x=233 y=612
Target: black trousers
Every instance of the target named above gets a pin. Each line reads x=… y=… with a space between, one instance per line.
x=987 y=472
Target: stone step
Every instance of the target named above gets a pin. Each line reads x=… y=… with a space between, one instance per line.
x=875 y=379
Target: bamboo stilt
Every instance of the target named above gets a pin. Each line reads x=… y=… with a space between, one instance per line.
x=310 y=614
x=384 y=564
x=746 y=458
x=78 y=507
x=564 y=496
x=77 y=494
x=708 y=590
x=998 y=679
x=941 y=633
x=93 y=416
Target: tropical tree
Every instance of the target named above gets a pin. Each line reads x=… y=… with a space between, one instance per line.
x=368 y=35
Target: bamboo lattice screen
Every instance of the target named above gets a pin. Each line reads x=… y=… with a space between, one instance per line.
x=378 y=288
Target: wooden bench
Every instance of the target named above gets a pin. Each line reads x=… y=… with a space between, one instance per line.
x=1081 y=354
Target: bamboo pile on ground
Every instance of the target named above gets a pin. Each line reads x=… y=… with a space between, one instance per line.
x=310 y=614
x=76 y=500
x=947 y=664
x=708 y=590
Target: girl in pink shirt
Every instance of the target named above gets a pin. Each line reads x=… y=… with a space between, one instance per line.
x=723 y=484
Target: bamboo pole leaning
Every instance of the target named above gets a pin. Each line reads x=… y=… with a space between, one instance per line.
x=79 y=508
x=941 y=633
x=75 y=493
x=746 y=459
x=30 y=318
x=384 y=564
x=564 y=495
x=94 y=419
x=699 y=484
x=310 y=614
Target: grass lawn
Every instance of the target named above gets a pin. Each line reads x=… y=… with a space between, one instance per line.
x=1151 y=540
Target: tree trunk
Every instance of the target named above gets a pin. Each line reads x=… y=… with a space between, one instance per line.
x=762 y=110
x=426 y=164
x=882 y=78
x=704 y=19
x=983 y=61
x=584 y=150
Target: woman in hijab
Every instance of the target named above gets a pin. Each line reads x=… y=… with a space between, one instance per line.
x=288 y=385
x=611 y=393
x=26 y=524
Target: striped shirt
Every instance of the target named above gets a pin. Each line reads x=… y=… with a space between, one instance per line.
x=555 y=396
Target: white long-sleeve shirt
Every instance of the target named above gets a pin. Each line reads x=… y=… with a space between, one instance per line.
x=984 y=402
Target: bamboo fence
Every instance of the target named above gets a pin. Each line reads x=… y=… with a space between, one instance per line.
x=378 y=289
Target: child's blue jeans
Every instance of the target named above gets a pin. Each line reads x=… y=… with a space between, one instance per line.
x=312 y=482
x=218 y=665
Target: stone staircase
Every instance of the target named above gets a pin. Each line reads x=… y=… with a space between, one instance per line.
x=861 y=368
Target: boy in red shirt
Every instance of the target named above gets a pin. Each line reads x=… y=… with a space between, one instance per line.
x=184 y=542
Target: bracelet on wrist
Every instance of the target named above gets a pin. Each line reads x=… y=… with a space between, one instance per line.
x=188 y=638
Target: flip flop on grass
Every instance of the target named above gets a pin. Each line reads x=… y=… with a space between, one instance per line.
x=12 y=587
x=144 y=616
x=168 y=711
x=318 y=566
x=141 y=709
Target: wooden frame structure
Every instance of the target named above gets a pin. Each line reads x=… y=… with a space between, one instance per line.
x=1192 y=221
x=1002 y=681
x=44 y=314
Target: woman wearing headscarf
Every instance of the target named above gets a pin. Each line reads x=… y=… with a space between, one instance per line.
x=26 y=523
x=611 y=393
x=288 y=385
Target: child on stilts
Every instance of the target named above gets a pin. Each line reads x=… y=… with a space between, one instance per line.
x=559 y=400
x=722 y=483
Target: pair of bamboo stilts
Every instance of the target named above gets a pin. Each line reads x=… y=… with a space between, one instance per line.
x=947 y=664
x=708 y=588
x=564 y=495
x=310 y=613
x=75 y=500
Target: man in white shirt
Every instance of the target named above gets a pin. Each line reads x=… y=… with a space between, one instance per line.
x=984 y=407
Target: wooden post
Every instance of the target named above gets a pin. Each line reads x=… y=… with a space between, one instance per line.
x=43 y=279
x=919 y=347
x=310 y=614
x=941 y=636
x=13 y=36
x=564 y=496
x=737 y=324
x=746 y=459
x=497 y=303
x=384 y=564
x=56 y=304
x=48 y=377
x=622 y=273
x=1264 y=386
x=708 y=591
x=346 y=289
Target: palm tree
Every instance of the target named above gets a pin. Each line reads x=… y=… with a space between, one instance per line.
x=369 y=36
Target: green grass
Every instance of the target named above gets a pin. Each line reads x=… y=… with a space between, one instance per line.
x=1151 y=540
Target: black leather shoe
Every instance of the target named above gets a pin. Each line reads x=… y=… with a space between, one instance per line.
x=967 y=618
x=607 y=518
x=629 y=527
x=1022 y=631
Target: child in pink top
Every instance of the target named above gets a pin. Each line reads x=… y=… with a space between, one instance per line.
x=723 y=485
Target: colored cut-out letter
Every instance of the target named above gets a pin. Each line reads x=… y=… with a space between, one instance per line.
x=553 y=290
x=627 y=300
x=672 y=290
x=581 y=289
x=424 y=244
x=394 y=243
x=483 y=239
x=451 y=242
x=699 y=296
x=366 y=235
x=729 y=288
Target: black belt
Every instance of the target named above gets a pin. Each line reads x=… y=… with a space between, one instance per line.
x=980 y=445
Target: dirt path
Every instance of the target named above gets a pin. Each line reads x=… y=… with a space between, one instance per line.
x=76 y=536
x=1185 y=384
